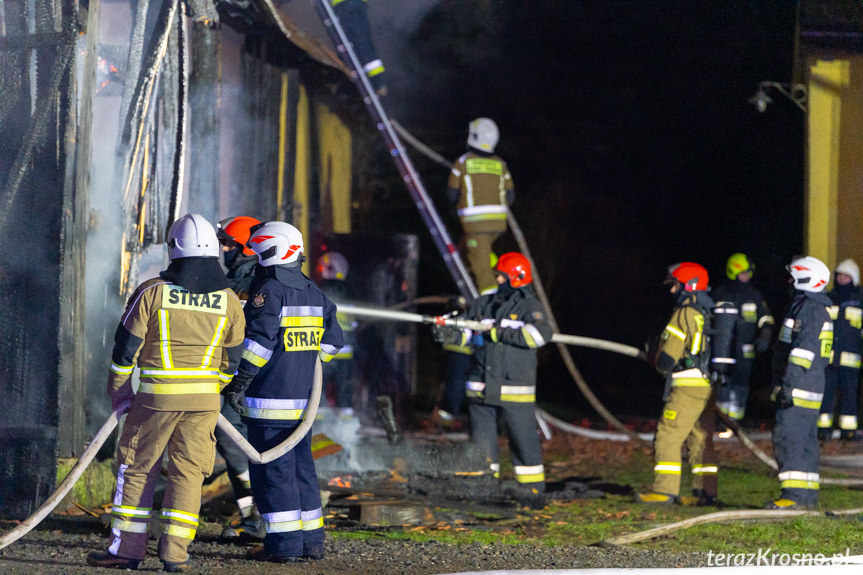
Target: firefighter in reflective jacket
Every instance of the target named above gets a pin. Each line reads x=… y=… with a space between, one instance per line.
x=843 y=372
x=289 y=325
x=481 y=187
x=332 y=269
x=502 y=380
x=683 y=357
x=742 y=327
x=185 y=332
x=240 y=261
x=800 y=357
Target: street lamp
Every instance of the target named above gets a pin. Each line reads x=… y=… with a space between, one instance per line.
x=795 y=92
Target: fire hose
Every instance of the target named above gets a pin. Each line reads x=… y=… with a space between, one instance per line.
x=579 y=341
x=474 y=325
x=108 y=427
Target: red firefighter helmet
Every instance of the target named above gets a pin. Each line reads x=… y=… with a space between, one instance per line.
x=693 y=276
x=516 y=267
x=237 y=230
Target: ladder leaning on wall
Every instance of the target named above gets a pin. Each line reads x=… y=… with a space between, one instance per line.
x=411 y=178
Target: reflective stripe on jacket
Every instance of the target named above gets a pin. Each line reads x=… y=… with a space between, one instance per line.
x=503 y=368
x=484 y=185
x=180 y=341
x=804 y=345
x=289 y=323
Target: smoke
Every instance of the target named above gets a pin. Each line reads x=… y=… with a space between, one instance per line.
x=392 y=23
x=103 y=303
x=344 y=431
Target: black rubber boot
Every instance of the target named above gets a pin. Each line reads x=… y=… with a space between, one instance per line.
x=111 y=561
x=848 y=435
x=172 y=567
x=260 y=554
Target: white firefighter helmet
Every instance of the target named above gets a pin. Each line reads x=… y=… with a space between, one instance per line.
x=192 y=236
x=809 y=273
x=277 y=244
x=483 y=135
x=849 y=267
x=333 y=266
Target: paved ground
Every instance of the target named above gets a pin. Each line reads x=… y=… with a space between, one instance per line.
x=62 y=547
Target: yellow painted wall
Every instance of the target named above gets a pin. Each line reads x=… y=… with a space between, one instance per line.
x=302 y=175
x=834 y=201
x=284 y=135
x=334 y=141
x=849 y=241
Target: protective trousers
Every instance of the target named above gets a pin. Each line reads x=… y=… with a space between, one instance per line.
x=288 y=495
x=844 y=380
x=456 y=370
x=236 y=461
x=191 y=447
x=478 y=248
x=734 y=394
x=705 y=475
x=524 y=444
x=354 y=18
x=795 y=446
x=681 y=423
x=338 y=373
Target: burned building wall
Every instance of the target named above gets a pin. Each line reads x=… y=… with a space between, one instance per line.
x=40 y=223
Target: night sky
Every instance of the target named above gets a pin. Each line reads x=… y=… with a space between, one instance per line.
x=632 y=144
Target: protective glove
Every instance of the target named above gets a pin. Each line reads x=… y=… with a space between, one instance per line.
x=491 y=335
x=651 y=350
x=762 y=343
x=235 y=391
x=122 y=395
x=781 y=397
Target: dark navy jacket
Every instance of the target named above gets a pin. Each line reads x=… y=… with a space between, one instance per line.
x=803 y=348
x=289 y=323
x=741 y=315
x=504 y=366
x=847 y=314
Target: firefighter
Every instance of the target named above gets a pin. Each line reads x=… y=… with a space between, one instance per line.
x=333 y=271
x=290 y=323
x=353 y=15
x=240 y=261
x=843 y=371
x=502 y=379
x=184 y=330
x=481 y=187
x=800 y=357
x=683 y=357
x=743 y=326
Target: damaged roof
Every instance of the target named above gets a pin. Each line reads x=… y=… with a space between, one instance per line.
x=296 y=23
